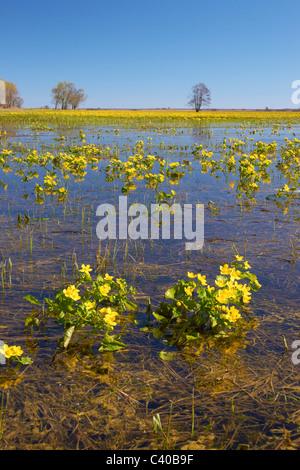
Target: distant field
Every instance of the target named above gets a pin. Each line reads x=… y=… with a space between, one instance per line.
x=146 y=116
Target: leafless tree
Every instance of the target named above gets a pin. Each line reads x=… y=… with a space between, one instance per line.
x=199 y=97
x=77 y=97
x=19 y=102
x=66 y=95
x=11 y=95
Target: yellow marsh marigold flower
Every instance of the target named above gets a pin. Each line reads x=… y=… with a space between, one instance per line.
x=232 y=314
x=247 y=265
x=234 y=274
x=202 y=279
x=62 y=190
x=110 y=319
x=10 y=351
x=245 y=290
x=246 y=294
x=191 y=275
x=239 y=258
x=104 y=289
x=189 y=290
x=223 y=296
x=108 y=277
x=90 y=305
x=122 y=283
x=110 y=316
x=86 y=269
x=220 y=283
x=225 y=269
x=72 y=293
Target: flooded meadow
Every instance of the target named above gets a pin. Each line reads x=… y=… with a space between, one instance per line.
x=137 y=342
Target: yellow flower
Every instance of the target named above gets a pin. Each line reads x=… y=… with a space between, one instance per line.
x=239 y=258
x=222 y=296
x=220 y=283
x=110 y=319
x=85 y=269
x=210 y=289
x=10 y=351
x=108 y=277
x=202 y=279
x=191 y=275
x=225 y=269
x=246 y=293
x=189 y=290
x=234 y=274
x=232 y=292
x=122 y=283
x=110 y=316
x=104 y=289
x=72 y=293
x=90 y=305
x=247 y=265
x=232 y=314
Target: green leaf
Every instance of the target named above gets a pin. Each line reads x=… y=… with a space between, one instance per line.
x=31 y=299
x=191 y=304
x=68 y=336
x=170 y=293
x=109 y=343
x=159 y=317
x=192 y=338
x=32 y=320
x=167 y=356
x=158 y=333
x=130 y=305
x=26 y=360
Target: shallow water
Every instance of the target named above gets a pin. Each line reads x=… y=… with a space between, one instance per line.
x=257 y=372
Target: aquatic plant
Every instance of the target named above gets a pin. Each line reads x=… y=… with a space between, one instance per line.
x=196 y=308
x=87 y=308
x=14 y=354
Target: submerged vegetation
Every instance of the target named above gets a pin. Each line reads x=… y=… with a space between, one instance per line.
x=157 y=346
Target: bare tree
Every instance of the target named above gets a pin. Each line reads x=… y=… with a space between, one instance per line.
x=77 y=97
x=65 y=94
x=11 y=95
x=200 y=97
x=19 y=102
x=61 y=93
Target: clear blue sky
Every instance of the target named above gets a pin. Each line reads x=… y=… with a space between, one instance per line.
x=149 y=53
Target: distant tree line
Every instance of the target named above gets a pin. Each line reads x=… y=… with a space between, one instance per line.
x=66 y=95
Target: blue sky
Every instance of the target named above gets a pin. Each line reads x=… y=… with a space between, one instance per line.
x=136 y=54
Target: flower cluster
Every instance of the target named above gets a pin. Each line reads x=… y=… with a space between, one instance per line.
x=154 y=170
x=198 y=307
x=14 y=353
x=89 y=304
